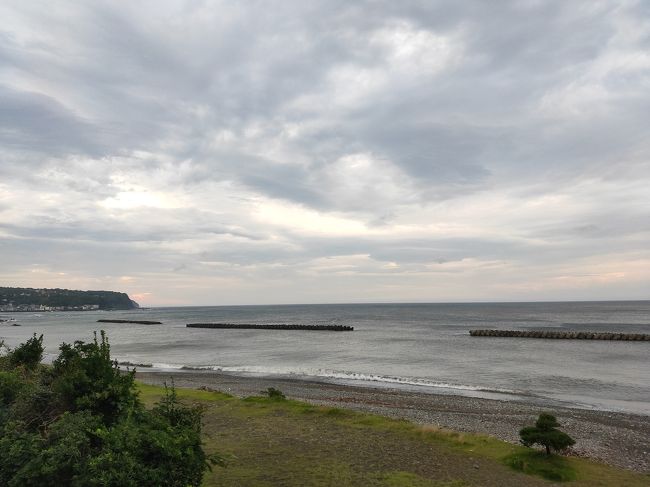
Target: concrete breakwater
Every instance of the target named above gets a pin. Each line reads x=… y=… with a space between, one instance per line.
x=248 y=326
x=137 y=322
x=569 y=335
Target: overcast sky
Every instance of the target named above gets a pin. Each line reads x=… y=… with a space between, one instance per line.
x=306 y=152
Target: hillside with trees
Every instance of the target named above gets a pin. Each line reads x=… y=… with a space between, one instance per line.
x=30 y=299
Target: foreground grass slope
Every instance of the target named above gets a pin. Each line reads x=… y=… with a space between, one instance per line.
x=289 y=443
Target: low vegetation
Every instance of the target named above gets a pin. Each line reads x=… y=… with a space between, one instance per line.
x=275 y=394
x=270 y=442
x=80 y=422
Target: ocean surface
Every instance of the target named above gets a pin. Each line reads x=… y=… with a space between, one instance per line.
x=425 y=347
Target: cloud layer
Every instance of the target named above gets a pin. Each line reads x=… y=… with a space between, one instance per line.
x=263 y=152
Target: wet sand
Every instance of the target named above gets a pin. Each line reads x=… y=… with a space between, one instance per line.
x=619 y=439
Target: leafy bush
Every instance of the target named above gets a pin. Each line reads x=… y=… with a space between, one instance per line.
x=28 y=354
x=10 y=385
x=275 y=394
x=80 y=423
x=85 y=378
x=545 y=434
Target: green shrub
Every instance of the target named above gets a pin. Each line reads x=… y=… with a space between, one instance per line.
x=28 y=354
x=10 y=385
x=35 y=405
x=55 y=458
x=80 y=423
x=19 y=447
x=158 y=447
x=275 y=394
x=85 y=378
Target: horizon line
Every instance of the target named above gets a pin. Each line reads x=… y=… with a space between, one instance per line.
x=402 y=302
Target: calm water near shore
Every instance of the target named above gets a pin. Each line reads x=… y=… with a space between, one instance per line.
x=423 y=346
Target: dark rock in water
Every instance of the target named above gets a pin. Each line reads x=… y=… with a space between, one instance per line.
x=137 y=322
x=554 y=334
x=15 y=324
x=131 y=364
x=248 y=326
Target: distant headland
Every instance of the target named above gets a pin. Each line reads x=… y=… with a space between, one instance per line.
x=30 y=299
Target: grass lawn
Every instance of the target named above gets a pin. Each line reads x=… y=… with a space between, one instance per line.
x=289 y=443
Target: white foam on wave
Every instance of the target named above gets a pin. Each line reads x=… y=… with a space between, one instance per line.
x=335 y=375
x=160 y=365
x=411 y=381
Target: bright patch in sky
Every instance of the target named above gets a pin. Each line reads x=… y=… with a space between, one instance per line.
x=126 y=200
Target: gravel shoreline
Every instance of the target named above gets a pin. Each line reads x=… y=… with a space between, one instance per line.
x=618 y=439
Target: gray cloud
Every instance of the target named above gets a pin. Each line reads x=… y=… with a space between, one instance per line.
x=238 y=142
x=37 y=123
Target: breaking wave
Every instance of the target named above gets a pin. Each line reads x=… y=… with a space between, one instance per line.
x=334 y=376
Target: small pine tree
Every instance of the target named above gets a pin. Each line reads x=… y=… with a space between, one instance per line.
x=545 y=434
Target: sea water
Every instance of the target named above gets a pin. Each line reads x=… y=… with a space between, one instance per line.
x=425 y=347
